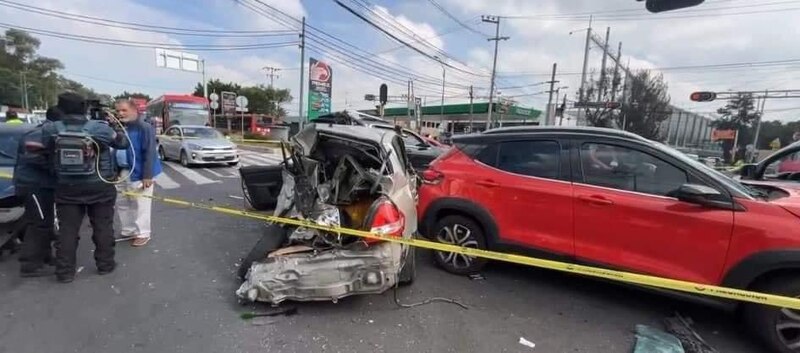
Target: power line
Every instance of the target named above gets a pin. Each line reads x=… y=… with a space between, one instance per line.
x=137 y=44
x=396 y=38
x=657 y=18
x=352 y=52
x=643 y=15
x=456 y=20
x=127 y=84
x=726 y=66
x=140 y=26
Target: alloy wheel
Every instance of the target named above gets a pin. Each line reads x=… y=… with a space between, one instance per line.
x=787 y=326
x=460 y=235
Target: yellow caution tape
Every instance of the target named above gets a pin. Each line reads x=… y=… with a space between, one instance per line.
x=614 y=275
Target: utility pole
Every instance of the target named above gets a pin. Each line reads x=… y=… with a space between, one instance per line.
x=441 y=106
x=585 y=62
x=302 y=68
x=272 y=73
x=615 y=79
x=550 y=109
x=758 y=126
x=602 y=88
x=497 y=38
x=625 y=97
x=471 y=95
x=563 y=112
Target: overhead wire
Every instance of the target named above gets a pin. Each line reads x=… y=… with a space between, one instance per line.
x=456 y=20
x=140 y=26
x=139 y=44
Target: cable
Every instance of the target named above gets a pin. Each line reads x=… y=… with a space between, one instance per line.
x=752 y=64
x=140 y=26
x=598 y=15
x=396 y=38
x=137 y=44
x=656 y=18
x=456 y=20
x=133 y=153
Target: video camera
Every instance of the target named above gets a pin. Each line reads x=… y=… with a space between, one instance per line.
x=99 y=110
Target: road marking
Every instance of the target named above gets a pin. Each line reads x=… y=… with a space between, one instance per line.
x=165 y=182
x=214 y=173
x=191 y=174
x=261 y=159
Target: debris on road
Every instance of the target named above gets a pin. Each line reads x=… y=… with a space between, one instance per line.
x=681 y=327
x=286 y=311
x=526 y=343
x=477 y=277
x=116 y=290
x=653 y=340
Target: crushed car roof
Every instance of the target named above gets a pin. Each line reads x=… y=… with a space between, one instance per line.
x=360 y=132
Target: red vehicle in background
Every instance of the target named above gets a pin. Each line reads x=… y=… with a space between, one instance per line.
x=174 y=109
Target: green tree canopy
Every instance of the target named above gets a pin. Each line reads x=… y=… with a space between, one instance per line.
x=129 y=95
x=644 y=102
x=261 y=99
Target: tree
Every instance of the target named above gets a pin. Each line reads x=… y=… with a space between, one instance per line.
x=644 y=103
x=261 y=99
x=129 y=95
x=738 y=114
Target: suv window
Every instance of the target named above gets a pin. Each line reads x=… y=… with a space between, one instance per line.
x=532 y=158
x=172 y=131
x=628 y=169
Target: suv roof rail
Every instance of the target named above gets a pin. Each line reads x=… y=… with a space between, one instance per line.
x=578 y=129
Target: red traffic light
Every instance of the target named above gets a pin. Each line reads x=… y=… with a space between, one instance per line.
x=703 y=96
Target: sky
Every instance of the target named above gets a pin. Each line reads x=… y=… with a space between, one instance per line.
x=450 y=36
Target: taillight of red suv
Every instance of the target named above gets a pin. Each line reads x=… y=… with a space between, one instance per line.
x=386 y=219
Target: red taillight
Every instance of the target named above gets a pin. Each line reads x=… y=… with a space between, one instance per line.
x=431 y=176
x=386 y=220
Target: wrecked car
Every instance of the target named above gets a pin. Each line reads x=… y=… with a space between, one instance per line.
x=334 y=175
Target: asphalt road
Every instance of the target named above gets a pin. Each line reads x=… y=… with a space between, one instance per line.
x=177 y=295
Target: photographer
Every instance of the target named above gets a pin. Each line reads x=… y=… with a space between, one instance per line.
x=143 y=167
x=83 y=167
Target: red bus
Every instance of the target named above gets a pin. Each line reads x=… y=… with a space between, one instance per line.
x=174 y=109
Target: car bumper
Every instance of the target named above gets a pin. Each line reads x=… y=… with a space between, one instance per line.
x=213 y=157
x=324 y=276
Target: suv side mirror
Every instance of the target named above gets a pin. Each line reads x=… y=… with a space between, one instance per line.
x=748 y=171
x=704 y=196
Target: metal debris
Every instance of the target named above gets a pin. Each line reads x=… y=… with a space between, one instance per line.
x=681 y=327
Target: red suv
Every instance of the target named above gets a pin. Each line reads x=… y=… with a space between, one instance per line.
x=612 y=198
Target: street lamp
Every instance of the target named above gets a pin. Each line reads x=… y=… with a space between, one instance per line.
x=441 y=112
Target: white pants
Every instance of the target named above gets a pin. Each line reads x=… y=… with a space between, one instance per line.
x=134 y=212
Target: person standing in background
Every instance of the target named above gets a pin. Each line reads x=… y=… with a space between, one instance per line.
x=143 y=166
x=13 y=119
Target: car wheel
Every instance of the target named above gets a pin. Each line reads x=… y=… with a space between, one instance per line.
x=273 y=238
x=409 y=271
x=185 y=159
x=777 y=327
x=461 y=231
x=161 y=155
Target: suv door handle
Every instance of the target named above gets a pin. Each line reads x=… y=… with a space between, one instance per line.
x=596 y=200
x=487 y=183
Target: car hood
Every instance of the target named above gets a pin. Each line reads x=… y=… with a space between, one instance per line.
x=779 y=154
x=217 y=143
x=791 y=202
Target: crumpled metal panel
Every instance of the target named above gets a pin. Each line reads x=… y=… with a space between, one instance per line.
x=329 y=275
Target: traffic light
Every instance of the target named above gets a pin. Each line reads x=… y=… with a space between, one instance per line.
x=703 y=96
x=384 y=94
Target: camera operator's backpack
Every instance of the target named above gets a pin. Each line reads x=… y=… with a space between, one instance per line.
x=75 y=151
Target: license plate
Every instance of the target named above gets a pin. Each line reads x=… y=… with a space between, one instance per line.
x=219 y=158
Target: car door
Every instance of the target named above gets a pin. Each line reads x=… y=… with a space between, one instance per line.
x=171 y=142
x=528 y=192
x=626 y=217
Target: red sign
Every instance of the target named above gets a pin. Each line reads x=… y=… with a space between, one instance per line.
x=717 y=135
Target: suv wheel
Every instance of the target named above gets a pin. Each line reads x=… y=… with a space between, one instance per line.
x=461 y=231
x=778 y=327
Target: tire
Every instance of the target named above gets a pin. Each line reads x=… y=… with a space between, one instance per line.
x=470 y=234
x=274 y=236
x=409 y=271
x=185 y=160
x=161 y=155
x=763 y=320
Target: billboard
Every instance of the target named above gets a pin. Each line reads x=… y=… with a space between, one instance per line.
x=228 y=103
x=320 y=77
x=717 y=135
